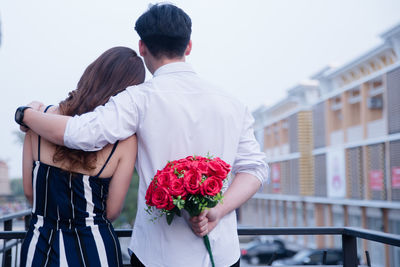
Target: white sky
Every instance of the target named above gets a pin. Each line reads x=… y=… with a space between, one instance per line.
x=256 y=50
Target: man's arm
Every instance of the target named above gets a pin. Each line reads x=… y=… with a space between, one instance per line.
x=250 y=170
x=50 y=126
x=116 y=120
x=243 y=187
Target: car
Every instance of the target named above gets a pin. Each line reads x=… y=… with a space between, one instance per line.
x=265 y=251
x=313 y=257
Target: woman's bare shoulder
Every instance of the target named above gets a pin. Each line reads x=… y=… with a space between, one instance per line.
x=53 y=109
x=130 y=140
x=128 y=145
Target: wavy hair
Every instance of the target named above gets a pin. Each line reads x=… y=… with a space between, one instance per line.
x=112 y=72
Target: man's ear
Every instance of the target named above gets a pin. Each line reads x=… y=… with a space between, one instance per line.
x=142 y=48
x=188 y=48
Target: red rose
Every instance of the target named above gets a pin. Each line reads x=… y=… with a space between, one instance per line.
x=217 y=170
x=192 y=181
x=182 y=160
x=164 y=178
x=168 y=167
x=211 y=186
x=182 y=165
x=149 y=194
x=189 y=158
x=170 y=205
x=177 y=187
x=202 y=159
x=161 y=198
x=201 y=166
x=224 y=165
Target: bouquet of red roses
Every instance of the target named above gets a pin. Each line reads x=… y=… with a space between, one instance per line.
x=193 y=183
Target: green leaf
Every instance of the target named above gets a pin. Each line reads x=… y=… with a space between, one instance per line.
x=179 y=202
x=209 y=156
x=178 y=212
x=149 y=210
x=170 y=217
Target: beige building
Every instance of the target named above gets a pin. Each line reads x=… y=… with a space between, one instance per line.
x=4 y=179
x=333 y=145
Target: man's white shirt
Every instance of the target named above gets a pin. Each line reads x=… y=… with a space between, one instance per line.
x=174 y=115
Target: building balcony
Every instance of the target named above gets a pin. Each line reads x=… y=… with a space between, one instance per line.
x=354 y=133
x=376 y=128
x=336 y=138
x=277 y=151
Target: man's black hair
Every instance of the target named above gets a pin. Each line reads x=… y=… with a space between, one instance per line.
x=165 y=29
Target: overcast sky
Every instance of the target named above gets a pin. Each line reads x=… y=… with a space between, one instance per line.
x=256 y=50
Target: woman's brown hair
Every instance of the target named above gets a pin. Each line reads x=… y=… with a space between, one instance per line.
x=112 y=72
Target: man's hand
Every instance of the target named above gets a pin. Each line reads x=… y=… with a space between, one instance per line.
x=206 y=221
x=243 y=186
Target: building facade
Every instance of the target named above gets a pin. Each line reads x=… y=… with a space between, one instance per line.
x=4 y=179
x=333 y=145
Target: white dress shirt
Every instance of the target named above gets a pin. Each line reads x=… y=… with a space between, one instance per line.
x=174 y=115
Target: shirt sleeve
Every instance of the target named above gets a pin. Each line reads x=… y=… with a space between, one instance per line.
x=116 y=120
x=249 y=158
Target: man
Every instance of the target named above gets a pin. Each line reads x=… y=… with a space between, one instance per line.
x=175 y=114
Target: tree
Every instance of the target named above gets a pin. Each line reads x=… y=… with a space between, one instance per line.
x=20 y=136
x=17 y=188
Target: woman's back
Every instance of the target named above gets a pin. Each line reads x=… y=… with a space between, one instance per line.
x=72 y=193
x=70 y=208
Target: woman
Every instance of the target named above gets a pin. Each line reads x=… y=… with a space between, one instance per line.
x=75 y=194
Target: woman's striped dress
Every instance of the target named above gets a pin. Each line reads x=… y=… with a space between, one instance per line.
x=68 y=225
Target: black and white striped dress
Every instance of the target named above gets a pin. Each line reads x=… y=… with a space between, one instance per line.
x=69 y=225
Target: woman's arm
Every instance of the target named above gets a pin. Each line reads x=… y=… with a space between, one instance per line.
x=119 y=184
x=27 y=159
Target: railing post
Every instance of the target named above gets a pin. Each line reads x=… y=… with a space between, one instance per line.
x=349 y=246
x=27 y=220
x=7 y=254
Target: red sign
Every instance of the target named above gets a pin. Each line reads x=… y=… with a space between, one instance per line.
x=376 y=180
x=396 y=177
x=276 y=178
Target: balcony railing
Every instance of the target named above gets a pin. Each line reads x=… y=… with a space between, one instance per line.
x=349 y=237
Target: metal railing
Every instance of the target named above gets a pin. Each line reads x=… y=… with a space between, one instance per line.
x=349 y=236
x=10 y=240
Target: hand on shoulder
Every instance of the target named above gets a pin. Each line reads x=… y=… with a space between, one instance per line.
x=36 y=105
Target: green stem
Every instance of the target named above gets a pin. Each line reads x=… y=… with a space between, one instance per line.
x=208 y=246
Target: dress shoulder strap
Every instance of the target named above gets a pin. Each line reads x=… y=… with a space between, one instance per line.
x=108 y=159
x=45 y=110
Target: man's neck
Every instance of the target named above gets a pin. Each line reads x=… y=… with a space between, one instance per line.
x=156 y=64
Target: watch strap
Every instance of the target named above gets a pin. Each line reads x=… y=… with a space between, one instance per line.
x=19 y=115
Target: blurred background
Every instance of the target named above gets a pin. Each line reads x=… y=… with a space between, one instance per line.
x=321 y=77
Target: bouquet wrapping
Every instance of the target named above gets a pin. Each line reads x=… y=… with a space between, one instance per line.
x=193 y=183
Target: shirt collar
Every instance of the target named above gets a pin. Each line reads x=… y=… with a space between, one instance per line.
x=173 y=68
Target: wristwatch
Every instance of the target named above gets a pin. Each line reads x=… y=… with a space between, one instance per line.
x=19 y=115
